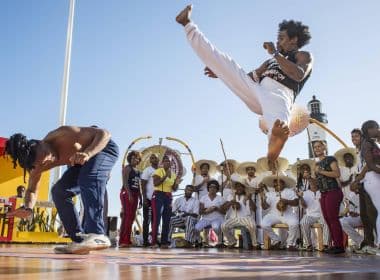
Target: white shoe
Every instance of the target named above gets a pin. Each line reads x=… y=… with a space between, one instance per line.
x=90 y=242
x=370 y=250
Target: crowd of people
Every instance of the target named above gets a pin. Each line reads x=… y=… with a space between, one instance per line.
x=339 y=192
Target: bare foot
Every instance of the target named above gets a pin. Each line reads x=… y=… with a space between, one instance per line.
x=279 y=135
x=183 y=17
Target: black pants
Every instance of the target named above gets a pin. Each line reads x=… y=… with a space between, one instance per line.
x=368 y=215
x=147 y=220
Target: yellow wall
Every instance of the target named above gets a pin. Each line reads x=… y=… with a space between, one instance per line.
x=11 y=178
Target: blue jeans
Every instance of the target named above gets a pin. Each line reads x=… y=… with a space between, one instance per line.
x=162 y=208
x=88 y=180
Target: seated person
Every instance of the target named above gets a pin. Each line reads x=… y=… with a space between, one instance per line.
x=239 y=207
x=212 y=211
x=186 y=212
x=280 y=203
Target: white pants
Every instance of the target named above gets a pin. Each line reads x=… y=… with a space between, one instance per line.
x=306 y=223
x=246 y=222
x=348 y=226
x=291 y=220
x=268 y=98
x=215 y=224
x=372 y=187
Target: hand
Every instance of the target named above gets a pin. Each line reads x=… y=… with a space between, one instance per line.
x=317 y=169
x=79 y=158
x=20 y=213
x=300 y=193
x=269 y=46
x=178 y=181
x=208 y=72
x=353 y=214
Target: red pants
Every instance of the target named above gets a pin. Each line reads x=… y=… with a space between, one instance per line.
x=129 y=215
x=330 y=204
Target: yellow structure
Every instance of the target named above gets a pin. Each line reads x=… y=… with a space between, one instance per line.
x=41 y=229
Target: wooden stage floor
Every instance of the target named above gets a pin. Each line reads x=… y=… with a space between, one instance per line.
x=39 y=262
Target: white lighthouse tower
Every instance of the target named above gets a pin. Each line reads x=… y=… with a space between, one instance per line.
x=316 y=133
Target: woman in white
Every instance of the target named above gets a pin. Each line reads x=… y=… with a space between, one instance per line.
x=212 y=211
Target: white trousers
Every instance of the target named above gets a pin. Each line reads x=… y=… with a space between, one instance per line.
x=348 y=226
x=268 y=98
x=246 y=222
x=306 y=223
x=215 y=224
x=291 y=220
x=372 y=187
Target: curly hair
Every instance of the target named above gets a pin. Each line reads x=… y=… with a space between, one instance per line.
x=366 y=126
x=22 y=151
x=131 y=154
x=296 y=29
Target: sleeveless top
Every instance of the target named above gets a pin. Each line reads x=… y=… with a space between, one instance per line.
x=274 y=72
x=134 y=180
x=325 y=183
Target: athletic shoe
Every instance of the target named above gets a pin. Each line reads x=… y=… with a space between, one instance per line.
x=370 y=250
x=90 y=242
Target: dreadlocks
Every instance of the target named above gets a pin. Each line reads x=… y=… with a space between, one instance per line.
x=22 y=151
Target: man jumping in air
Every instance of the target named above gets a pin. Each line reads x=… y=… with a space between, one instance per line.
x=271 y=89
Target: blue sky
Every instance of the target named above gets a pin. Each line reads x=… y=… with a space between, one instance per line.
x=133 y=72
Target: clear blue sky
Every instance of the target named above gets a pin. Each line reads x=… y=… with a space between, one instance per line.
x=133 y=72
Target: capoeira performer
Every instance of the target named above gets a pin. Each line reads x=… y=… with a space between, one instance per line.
x=352 y=219
x=248 y=170
x=347 y=162
x=271 y=89
x=227 y=170
x=280 y=203
x=186 y=213
x=212 y=211
x=204 y=170
x=371 y=154
x=309 y=200
x=91 y=154
x=239 y=207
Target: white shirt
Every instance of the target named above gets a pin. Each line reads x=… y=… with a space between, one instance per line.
x=207 y=203
x=346 y=172
x=227 y=187
x=198 y=180
x=189 y=206
x=353 y=202
x=244 y=210
x=312 y=202
x=252 y=183
x=147 y=175
x=273 y=197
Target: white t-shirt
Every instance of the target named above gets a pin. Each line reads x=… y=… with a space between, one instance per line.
x=227 y=190
x=273 y=197
x=353 y=202
x=312 y=202
x=207 y=203
x=346 y=172
x=252 y=183
x=244 y=210
x=189 y=206
x=198 y=180
x=147 y=175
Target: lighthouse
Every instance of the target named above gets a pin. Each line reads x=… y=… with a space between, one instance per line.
x=316 y=133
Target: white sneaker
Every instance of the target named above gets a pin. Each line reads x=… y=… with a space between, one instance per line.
x=370 y=250
x=90 y=242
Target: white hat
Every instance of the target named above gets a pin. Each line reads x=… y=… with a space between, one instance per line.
x=242 y=167
x=238 y=179
x=289 y=182
x=232 y=161
x=212 y=164
x=299 y=163
x=283 y=164
x=339 y=155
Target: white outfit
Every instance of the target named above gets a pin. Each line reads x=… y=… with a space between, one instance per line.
x=213 y=219
x=268 y=98
x=287 y=217
x=239 y=218
x=313 y=215
x=203 y=190
x=189 y=206
x=227 y=190
x=258 y=215
x=349 y=223
x=147 y=175
x=345 y=174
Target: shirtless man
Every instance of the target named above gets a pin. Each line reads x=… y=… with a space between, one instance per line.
x=271 y=89
x=90 y=154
